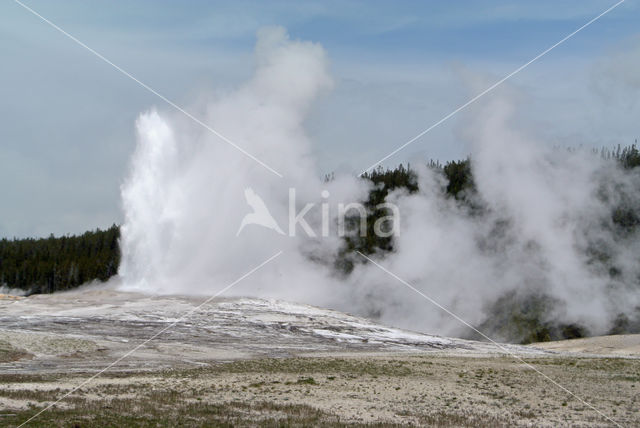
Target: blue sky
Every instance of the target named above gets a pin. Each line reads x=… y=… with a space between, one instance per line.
x=68 y=119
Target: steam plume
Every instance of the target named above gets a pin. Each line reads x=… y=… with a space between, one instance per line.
x=544 y=212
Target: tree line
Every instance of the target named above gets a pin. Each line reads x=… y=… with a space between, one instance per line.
x=59 y=263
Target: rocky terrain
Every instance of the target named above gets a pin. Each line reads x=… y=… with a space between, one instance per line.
x=85 y=330
x=248 y=362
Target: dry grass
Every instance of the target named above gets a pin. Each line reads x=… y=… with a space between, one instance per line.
x=432 y=390
x=8 y=353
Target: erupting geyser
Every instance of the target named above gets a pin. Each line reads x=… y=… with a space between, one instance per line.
x=543 y=215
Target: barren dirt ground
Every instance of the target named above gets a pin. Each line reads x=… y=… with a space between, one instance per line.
x=437 y=390
x=619 y=345
x=248 y=362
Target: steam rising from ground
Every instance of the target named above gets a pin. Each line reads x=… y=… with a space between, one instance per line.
x=544 y=231
x=184 y=200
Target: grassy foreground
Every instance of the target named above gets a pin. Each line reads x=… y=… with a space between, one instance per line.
x=431 y=390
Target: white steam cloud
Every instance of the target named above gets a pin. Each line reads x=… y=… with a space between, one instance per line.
x=544 y=212
x=184 y=198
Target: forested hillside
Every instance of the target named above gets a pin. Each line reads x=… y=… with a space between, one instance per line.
x=54 y=264
x=527 y=315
